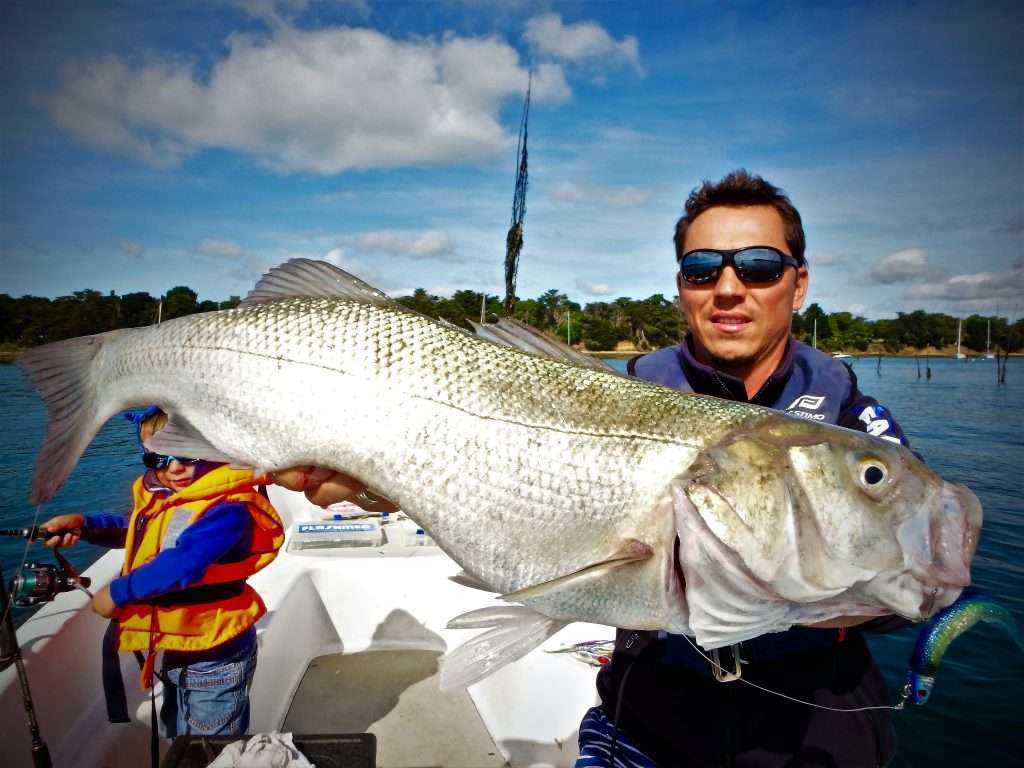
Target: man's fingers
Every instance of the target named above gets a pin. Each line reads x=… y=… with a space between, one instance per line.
x=294 y=478
x=337 y=487
x=306 y=478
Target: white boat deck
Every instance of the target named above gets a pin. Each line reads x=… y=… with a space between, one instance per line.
x=349 y=644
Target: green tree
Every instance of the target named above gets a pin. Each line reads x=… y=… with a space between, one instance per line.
x=180 y=301
x=137 y=309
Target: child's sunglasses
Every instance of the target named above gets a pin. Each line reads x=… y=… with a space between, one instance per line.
x=159 y=461
x=754 y=264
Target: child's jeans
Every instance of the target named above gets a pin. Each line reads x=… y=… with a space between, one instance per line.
x=209 y=697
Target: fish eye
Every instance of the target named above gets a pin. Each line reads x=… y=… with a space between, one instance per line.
x=873 y=474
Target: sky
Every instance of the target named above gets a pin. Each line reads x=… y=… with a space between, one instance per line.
x=146 y=146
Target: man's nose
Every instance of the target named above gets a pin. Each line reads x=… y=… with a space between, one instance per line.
x=729 y=283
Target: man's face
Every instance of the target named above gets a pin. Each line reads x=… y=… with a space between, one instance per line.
x=176 y=475
x=736 y=326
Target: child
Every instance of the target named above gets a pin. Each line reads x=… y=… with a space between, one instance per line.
x=196 y=532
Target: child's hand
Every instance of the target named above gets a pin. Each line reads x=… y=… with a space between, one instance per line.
x=102 y=604
x=70 y=524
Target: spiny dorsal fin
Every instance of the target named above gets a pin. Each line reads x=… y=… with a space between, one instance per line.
x=299 y=278
x=510 y=332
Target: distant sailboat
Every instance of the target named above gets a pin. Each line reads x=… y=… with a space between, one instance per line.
x=988 y=341
x=959 y=327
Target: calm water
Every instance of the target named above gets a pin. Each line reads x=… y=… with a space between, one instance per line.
x=968 y=428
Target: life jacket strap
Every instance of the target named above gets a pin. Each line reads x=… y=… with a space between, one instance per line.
x=207 y=593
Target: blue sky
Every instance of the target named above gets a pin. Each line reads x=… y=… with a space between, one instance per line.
x=146 y=146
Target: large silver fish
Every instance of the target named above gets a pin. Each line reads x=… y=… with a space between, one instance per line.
x=580 y=494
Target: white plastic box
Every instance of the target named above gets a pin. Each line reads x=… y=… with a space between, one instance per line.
x=327 y=534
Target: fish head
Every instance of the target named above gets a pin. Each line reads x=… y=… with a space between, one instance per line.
x=834 y=521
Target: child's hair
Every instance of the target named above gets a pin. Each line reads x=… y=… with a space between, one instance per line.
x=152 y=424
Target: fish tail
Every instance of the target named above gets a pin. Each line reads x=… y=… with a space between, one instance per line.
x=65 y=376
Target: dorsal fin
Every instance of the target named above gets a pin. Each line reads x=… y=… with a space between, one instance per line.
x=514 y=333
x=305 y=277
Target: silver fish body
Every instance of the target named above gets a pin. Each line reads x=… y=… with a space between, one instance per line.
x=584 y=495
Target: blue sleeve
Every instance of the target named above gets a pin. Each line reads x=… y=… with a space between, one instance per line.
x=105 y=530
x=865 y=414
x=225 y=531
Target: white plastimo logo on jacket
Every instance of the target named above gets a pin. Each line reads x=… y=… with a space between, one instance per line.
x=805 y=405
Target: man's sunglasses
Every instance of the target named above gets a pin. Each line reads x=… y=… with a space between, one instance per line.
x=754 y=265
x=159 y=461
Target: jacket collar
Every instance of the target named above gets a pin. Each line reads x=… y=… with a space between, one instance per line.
x=710 y=381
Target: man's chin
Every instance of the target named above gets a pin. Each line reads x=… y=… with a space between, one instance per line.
x=728 y=353
x=730 y=363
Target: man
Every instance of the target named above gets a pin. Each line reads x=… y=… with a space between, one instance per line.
x=742 y=273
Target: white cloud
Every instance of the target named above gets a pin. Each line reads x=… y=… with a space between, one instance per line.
x=594 y=289
x=427 y=244
x=223 y=249
x=582 y=42
x=974 y=287
x=607 y=197
x=320 y=100
x=899 y=267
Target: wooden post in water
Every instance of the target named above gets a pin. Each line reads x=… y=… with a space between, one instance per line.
x=917 y=359
x=928 y=368
x=878 y=370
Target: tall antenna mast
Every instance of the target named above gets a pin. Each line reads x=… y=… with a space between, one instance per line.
x=514 y=239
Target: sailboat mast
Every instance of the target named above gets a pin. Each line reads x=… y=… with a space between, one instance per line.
x=514 y=239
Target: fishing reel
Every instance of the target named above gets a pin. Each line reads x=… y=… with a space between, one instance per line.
x=38 y=583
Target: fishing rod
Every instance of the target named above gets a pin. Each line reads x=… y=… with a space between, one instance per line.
x=33 y=584
x=10 y=653
x=37 y=532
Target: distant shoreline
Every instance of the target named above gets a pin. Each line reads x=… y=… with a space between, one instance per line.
x=9 y=352
x=623 y=354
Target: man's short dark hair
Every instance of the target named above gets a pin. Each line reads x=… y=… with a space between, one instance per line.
x=741 y=188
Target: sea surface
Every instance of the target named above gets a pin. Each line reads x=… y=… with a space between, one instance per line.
x=969 y=428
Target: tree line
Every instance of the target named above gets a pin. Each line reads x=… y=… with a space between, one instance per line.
x=648 y=323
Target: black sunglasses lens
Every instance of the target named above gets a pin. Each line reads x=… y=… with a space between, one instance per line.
x=758 y=265
x=700 y=266
x=152 y=460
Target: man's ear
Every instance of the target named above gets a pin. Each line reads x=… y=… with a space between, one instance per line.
x=802 y=282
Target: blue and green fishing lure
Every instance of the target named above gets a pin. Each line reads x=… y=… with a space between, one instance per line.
x=941 y=630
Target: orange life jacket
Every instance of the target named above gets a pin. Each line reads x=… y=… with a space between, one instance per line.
x=207 y=614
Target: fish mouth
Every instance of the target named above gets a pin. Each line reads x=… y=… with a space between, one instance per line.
x=941 y=554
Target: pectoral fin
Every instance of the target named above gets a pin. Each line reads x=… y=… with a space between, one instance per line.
x=633 y=552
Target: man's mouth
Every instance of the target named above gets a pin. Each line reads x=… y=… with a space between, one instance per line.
x=727 y=323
